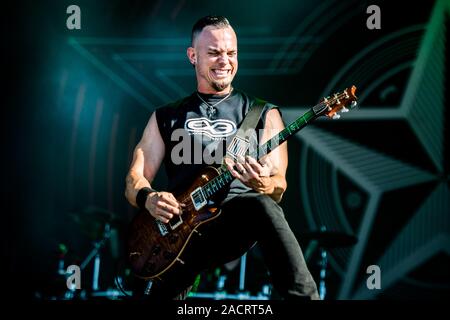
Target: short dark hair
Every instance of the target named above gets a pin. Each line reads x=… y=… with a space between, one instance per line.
x=217 y=21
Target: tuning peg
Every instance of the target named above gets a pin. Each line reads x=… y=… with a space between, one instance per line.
x=335 y=116
x=344 y=109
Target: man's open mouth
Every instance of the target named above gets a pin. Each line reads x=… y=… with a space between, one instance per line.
x=220 y=73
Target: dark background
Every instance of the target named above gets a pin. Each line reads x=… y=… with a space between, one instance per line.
x=76 y=103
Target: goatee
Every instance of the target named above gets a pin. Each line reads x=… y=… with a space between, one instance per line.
x=220 y=86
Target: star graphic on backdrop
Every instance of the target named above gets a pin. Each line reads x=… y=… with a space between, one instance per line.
x=426 y=233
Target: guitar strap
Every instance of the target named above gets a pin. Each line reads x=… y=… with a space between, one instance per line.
x=241 y=141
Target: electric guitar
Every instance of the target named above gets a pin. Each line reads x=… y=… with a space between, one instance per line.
x=155 y=247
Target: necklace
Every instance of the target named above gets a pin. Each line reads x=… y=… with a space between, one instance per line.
x=211 y=110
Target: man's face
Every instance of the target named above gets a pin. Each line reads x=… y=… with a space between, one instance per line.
x=214 y=54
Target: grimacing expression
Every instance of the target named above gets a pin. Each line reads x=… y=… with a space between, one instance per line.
x=215 y=58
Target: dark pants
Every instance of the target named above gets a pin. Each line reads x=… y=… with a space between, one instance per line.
x=245 y=219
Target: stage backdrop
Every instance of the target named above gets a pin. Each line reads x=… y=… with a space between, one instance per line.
x=81 y=98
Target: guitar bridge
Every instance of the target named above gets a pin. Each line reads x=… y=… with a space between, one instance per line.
x=175 y=222
x=198 y=198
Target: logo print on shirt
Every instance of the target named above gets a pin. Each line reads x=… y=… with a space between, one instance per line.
x=214 y=129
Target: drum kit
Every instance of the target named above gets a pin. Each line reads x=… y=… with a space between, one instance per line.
x=102 y=226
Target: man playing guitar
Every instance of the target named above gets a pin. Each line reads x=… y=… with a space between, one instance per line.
x=250 y=213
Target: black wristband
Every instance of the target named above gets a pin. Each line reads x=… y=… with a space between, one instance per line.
x=142 y=195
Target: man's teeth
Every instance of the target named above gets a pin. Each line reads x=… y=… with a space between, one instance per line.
x=221 y=72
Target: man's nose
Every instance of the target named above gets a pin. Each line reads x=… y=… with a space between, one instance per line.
x=223 y=58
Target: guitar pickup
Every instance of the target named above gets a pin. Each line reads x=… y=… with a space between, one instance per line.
x=198 y=198
x=175 y=222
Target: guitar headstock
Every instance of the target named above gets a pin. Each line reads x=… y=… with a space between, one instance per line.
x=337 y=103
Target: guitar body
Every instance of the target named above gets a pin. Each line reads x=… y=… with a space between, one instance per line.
x=155 y=247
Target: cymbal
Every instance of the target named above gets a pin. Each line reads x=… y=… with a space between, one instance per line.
x=97 y=214
x=92 y=220
x=330 y=239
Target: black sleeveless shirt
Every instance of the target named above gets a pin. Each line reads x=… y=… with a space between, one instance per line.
x=196 y=131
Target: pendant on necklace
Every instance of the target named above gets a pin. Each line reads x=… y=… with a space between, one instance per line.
x=211 y=112
x=210 y=109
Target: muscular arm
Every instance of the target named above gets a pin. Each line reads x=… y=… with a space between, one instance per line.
x=278 y=157
x=147 y=159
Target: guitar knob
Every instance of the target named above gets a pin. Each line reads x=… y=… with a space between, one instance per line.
x=156 y=250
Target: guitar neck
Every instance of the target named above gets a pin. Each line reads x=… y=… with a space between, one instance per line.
x=283 y=135
x=225 y=177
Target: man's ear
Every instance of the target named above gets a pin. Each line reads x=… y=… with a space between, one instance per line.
x=191 y=55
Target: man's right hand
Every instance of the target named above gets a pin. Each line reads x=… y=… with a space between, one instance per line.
x=163 y=205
